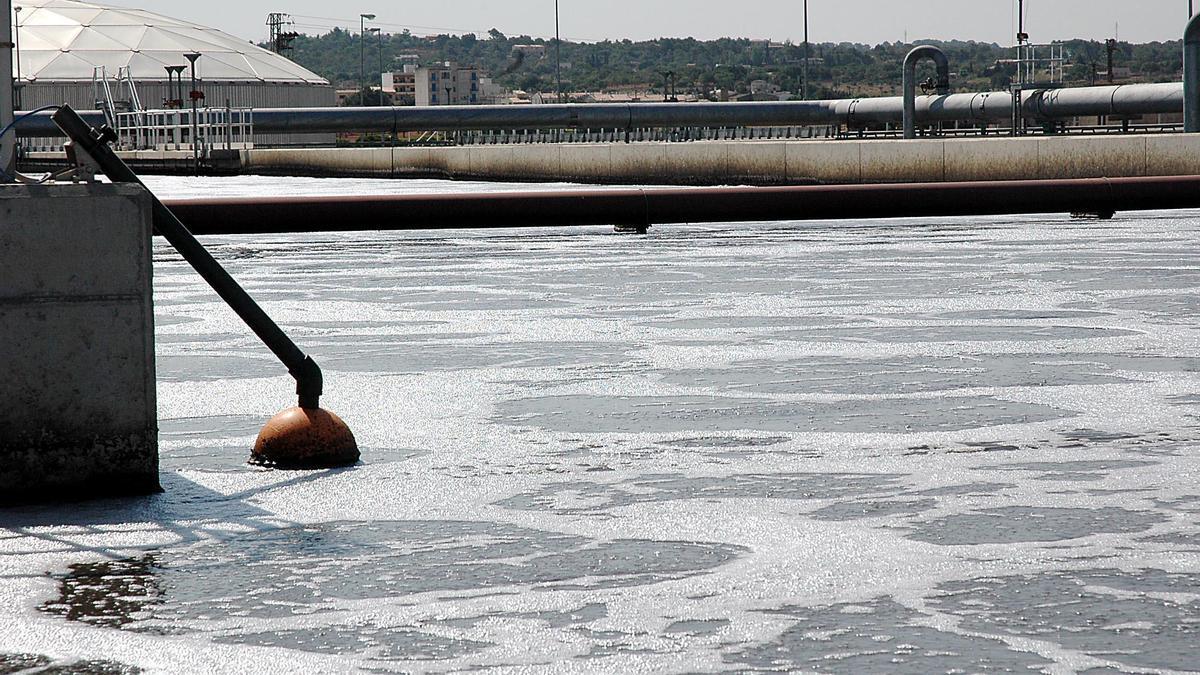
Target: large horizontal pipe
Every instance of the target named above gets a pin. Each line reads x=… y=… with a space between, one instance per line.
x=643 y=207
x=1050 y=104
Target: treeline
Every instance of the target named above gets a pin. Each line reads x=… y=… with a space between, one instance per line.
x=701 y=67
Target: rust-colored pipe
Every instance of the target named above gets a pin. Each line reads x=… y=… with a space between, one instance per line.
x=651 y=206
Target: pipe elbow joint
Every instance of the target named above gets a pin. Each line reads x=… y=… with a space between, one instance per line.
x=310 y=383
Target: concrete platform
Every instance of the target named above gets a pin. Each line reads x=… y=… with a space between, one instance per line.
x=77 y=334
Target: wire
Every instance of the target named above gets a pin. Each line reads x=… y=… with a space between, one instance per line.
x=25 y=116
x=12 y=125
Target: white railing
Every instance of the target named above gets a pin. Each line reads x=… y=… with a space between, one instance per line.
x=214 y=128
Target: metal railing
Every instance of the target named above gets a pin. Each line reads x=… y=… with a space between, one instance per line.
x=228 y=128
x=170 y=130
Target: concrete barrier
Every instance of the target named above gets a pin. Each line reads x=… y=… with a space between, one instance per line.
x=903 y=162
x=756 y=162
x=824 y=162
x=767 y=162
x=987 y=159
x=1083 y=157
x=79 y=416
x=1173 y=155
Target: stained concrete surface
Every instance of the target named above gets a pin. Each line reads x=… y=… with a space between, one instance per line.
x=905 y=446
x=76 y=333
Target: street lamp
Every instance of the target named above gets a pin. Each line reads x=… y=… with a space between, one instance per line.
x=195 y=95
x=362 y=54
x=175 y=85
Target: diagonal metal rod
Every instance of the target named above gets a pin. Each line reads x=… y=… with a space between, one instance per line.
x=309 y=381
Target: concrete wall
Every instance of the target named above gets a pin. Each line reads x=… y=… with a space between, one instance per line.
x=761 y=162
x=79 y=412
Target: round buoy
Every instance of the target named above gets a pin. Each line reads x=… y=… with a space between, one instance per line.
x=305 y=438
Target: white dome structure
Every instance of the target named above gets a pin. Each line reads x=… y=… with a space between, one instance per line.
x=64 y=40
x=63 y=44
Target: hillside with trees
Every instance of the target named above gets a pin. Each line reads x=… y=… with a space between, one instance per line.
x=700 y=67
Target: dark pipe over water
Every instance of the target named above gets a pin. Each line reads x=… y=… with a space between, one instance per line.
x=300 y=365
x=643 y=207
x=304 y=437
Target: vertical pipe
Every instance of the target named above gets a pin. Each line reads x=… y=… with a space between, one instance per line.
x=910 y=82
x=18 y=87
x=8 y=141
x=1191 y=76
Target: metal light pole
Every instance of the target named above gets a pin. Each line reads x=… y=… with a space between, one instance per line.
x=362 y=56
x=557 y=58
x=177 y=92
x=379 y=38
x=804 y=86
x=1018 y=115
x=169 y=99
x=195 y=96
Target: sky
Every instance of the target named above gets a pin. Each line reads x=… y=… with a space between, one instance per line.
x=866 y=21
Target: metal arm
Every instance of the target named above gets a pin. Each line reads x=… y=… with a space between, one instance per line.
x=94 y=142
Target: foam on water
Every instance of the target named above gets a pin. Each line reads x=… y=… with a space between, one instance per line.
x=902 y=446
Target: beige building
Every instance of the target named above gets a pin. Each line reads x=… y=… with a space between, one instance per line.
x=451 y=84
x=402 y=84
x=446 y=84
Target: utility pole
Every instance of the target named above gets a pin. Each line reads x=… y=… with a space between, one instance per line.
x=362 y=56
x=379 y=33
x=1110 y=46
x=1018 y=116
x=281 y=41
x=557 y=58
x=804 y=85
